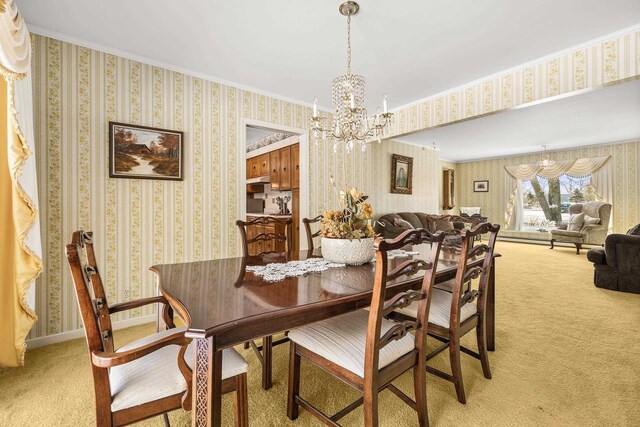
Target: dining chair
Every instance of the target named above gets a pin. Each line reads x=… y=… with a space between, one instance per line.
x=149 y=376
x=363 y=348
x=310 y=236
x=457 y=308
x=268 y=239
x=263 y=231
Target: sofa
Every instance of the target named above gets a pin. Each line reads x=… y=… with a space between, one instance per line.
x=617 y=265
x=451 y=224
x=588 y=234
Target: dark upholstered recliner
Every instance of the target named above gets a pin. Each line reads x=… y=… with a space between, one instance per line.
x=617 y=265
x=590 y=234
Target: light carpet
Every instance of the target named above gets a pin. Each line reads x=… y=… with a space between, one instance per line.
x=567 y=354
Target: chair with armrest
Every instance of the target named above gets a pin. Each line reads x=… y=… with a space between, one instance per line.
x=147 y=377
x=617 y=265
x=589 y=234
x=365 y=350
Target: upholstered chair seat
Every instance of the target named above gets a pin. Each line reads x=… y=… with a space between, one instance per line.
x=157 y=375
x=342 y=340
x=440 y=311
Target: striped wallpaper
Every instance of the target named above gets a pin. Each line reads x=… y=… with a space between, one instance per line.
x=138 y=223
x=601 y=62
x=625 y=159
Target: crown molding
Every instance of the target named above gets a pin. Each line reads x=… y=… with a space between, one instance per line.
x=35 y=29
x=519 y=67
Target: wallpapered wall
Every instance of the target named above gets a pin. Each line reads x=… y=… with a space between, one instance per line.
x=601 y=62
x=625 y=159
x=138 y=223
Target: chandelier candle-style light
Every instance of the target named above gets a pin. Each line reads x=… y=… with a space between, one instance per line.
x=350 y=121
x=545 y=162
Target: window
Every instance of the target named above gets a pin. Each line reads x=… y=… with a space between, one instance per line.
x=546 y=201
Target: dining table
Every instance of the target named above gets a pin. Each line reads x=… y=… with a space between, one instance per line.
x=223 y=304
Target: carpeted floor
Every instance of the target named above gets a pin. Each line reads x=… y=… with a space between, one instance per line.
x=567 y=354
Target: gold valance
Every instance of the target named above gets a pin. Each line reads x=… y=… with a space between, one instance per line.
x=15 y=46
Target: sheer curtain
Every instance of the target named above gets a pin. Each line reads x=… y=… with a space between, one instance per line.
x=598 y=167
x=21 y=261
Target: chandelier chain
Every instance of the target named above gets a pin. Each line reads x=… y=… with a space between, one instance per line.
x=349 y=45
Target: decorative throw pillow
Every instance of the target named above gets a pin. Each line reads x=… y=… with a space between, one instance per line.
x=634 y=231
x=443 y=225
x=401 y=223
x=589 y=220
x=576 y=222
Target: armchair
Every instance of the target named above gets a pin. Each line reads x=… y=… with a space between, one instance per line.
x=590 y=234
x=617 y=265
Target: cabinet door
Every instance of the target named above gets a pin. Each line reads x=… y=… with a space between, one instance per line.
x=248 y=168
x=251 y=247
x=285 y=168
x=274 y=166
x=255 y=171
x=295 y=216
x=269 y=245
x=295 y=166
x=260 y=245
x=263 y=165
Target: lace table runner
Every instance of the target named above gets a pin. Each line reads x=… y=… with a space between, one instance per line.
x=278 y=271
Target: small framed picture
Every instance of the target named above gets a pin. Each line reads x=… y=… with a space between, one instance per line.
x=401 y=174
x=141 y=152
x=481 y=186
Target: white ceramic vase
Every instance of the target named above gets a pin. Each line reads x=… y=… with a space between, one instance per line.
x=350 y=252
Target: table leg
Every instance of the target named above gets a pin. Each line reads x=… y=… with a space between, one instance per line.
x=207 y=384
x=491 y=308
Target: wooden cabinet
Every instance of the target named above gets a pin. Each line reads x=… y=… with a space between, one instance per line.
x=272 y=245
x=295 y=166
x=263 y=164
x=253 y=164
x=295 y=216
x=285 y=168
x=274 y=166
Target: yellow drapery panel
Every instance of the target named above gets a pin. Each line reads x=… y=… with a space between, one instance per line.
x=19 y=266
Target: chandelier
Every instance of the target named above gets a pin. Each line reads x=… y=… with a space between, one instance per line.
x=545 y=162
x=350 y=122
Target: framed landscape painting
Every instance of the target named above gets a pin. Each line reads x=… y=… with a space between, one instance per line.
x=480 y=186
x=401 y=174
x=142 y=152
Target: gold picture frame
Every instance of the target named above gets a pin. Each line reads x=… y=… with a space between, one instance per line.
x=401 y=174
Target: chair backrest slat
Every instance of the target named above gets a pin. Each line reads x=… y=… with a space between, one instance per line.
x=310 y=235
x=467 y=272
x=267 y=236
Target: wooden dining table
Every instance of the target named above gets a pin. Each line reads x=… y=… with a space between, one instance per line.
x=223 y=305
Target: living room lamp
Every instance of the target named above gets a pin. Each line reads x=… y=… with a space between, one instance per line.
x=350 y=121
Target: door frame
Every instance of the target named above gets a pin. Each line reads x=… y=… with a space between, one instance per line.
x=304 y=169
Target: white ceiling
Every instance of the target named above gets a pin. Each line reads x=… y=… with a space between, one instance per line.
x=254 y=134
x=606 y=115
x=409 y=49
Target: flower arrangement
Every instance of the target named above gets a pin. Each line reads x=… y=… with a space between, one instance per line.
x=352 y=221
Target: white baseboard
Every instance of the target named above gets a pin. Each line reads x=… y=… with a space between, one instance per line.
x=79 y=333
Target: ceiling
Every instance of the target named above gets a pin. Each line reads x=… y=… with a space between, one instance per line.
x=409 y=49
x=606 y=115
x=254 y=133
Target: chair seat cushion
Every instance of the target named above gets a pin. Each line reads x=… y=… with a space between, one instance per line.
x=440 y=310
x=157 y=375
x=342 y=340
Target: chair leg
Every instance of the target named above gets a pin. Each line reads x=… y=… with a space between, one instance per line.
x=578 y=247
x=552 y=240
x=481 y=334
x=165 y=417
x=267 y=352
x=241 y=403
x=420 y=389
x=370 y=406
x=294 y=382
x=456 y=368
x=246 y=345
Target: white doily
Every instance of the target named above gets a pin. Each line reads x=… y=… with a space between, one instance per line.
x=279 y=271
